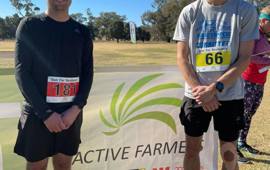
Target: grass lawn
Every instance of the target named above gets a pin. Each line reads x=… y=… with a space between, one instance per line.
x=7 y=45
x=117 y=54
x=113 y=54
x=8 y=129
x=108 y=54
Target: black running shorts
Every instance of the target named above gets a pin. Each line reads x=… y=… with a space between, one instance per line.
x=35 y=142
x=228 y=119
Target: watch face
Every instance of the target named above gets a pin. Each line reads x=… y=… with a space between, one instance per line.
x=219 y=86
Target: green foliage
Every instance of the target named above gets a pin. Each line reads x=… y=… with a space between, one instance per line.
x=8 y=26
x=106 y=23
x=25 y=7
x=91 y=23
x=117 y=30
x=79 y=17
x=163 y=19
x=123 y=114
x=142 y=34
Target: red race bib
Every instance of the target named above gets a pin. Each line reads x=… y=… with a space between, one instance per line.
x=62 y=89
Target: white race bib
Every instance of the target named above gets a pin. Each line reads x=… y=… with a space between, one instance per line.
x=62 y=89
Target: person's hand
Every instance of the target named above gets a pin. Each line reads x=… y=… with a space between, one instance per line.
x=203 y=94
x=54 y=123
x=70 y=115
x=211 y=105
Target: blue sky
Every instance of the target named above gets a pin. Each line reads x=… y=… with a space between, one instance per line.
x=132 y=9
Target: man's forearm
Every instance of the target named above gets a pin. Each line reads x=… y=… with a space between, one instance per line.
x=185 y=66
x=188 y=73
x=235 y=71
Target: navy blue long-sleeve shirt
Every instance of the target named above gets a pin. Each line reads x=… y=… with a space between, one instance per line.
x=47 y=49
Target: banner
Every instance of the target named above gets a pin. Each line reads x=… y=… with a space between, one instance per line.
x=132 y=28
x=132 y=122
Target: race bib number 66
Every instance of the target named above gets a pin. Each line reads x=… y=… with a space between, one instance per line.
x=62 y=89
x=213 y=61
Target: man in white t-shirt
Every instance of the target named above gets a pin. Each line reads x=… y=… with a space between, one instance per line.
x=215 y=40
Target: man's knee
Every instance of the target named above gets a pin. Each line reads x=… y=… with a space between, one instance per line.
x=62 y=162
x=193 y=147
x=40 y=165
x=193 y=151
x=229 y=156
x=62 y=165
x=228 y=152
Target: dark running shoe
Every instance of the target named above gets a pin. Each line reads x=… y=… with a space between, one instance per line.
x=245 y=147
x=242 y=158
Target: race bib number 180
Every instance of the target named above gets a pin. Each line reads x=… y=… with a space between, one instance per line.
x=213 y=61
x=62 y=89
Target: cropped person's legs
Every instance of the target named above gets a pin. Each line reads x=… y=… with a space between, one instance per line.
x=196 y=122
x=38 y=165
x=228 y=121
x=62 y=162
x=229 y=155
x=193 y=148
x=252 y=100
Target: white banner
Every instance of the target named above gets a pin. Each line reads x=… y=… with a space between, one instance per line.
x=132 y=28
x=132 y=122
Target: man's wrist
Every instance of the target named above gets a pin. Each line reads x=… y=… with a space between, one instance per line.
x=47 y=114
x=219 y=86
x=213 y=88
x=76 y=109
x=79 y=104
x=194 y=86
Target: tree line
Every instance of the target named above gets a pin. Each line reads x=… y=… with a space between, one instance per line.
x=157 y=24
x=106 y=26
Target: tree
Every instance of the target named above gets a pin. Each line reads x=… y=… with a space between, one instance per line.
x=126 y=31
x=91 y=23
x=25 y=7
x=142 y=34
x=105 y=22
x=2 y=28
x=79 y=17
x=164 y=17
x=117 y=30
x=8 y=26
x=11 y=23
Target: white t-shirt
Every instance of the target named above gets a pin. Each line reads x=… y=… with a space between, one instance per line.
x=214 y=34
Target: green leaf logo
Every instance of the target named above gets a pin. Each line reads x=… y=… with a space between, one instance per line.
x=121 y=109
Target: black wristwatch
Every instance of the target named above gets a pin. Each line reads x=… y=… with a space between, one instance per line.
x=219 y=86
